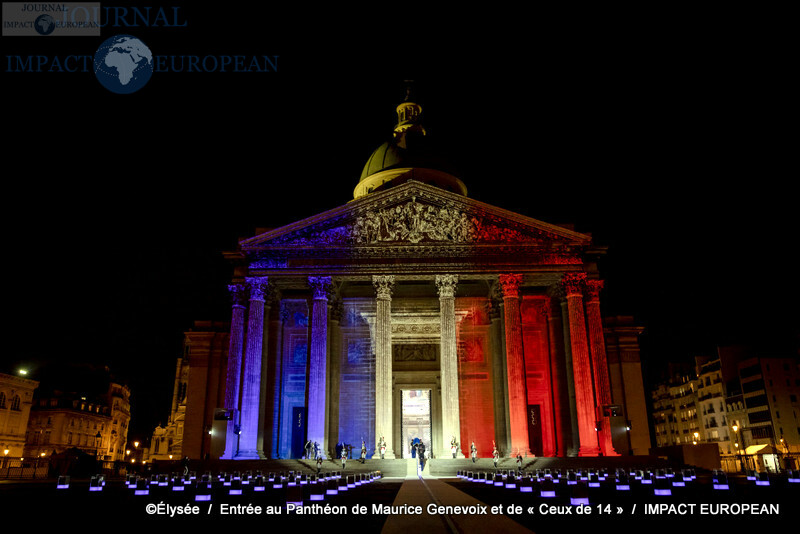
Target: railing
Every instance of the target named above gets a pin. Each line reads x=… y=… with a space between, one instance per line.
x=25 y=471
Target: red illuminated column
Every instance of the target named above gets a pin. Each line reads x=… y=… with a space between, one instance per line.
x=599 y=363
x=251 y=378
x=383 y=360
x=573 y=284
x=237 y=292
x=515 y=363
x=451 y=419
x=317 y=367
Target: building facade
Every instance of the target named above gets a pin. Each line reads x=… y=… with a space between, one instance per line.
x=166 y=443
x=414 y=311
x=767 y=412
x=64 y=418
x=16 y=398
x=747 y=406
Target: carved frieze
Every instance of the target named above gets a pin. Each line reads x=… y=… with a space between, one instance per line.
x=410 y=222
x=414 y=352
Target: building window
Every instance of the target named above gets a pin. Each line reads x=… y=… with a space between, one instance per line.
x=15 y=403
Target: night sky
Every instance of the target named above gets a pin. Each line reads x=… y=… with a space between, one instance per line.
x=663 y=137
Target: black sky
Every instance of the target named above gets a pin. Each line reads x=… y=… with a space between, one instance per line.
x=665 y=137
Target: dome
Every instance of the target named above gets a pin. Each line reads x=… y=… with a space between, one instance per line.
x=410 y=154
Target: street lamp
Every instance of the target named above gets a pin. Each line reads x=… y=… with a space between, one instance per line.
x=736 y=444
x=696 y=436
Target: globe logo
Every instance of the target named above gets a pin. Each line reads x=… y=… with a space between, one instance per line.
x=44 y=24
x=123 y=64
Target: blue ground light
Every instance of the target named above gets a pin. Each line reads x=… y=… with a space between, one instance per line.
x=550 y=493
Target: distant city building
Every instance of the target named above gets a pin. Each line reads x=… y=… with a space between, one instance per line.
x=86 y=409
x=196 y=395
x=16 y=398
x=770 y=425
x=747 y=405
x=167 y=441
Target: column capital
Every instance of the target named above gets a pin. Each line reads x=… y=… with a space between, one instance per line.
x=573 y=283
x=384 y=284
x=446 y=285
x=509 y=285
x=259 y=287
x=321 y=286
x=593 y=289
x=238 y=294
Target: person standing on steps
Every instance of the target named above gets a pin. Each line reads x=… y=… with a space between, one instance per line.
x=382 y=446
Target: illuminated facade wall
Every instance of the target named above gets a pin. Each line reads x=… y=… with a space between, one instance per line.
x=16 y=397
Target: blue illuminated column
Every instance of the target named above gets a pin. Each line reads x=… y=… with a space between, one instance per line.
x=251 y=378
x=317 y=368
x=237 y=292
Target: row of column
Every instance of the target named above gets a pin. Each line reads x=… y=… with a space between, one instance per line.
x=589 y=367
x=244 y=437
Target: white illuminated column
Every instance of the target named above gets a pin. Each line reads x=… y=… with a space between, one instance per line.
x=451 y=422
x=383 y=360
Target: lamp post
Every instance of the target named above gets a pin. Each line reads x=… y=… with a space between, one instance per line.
x=736 y=444
x=696 y=437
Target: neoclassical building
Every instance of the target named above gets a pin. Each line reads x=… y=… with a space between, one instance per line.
x=416 y=311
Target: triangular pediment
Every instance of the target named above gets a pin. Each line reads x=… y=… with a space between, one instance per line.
x=415 y=214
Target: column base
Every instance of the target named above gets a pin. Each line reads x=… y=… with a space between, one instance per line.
x=589 y=451
x=250 y=455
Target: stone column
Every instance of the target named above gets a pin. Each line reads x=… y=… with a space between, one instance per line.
x=515 y=362
x=318 y=362
x=573 y=284
x=251 y=378
x=557 y=376
x=277 y=400
x=334 y=373
x=597 y=345
x=236 y=342
x=499 y=380
x=383 y=361
x=451 y=418
x=573 y=442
